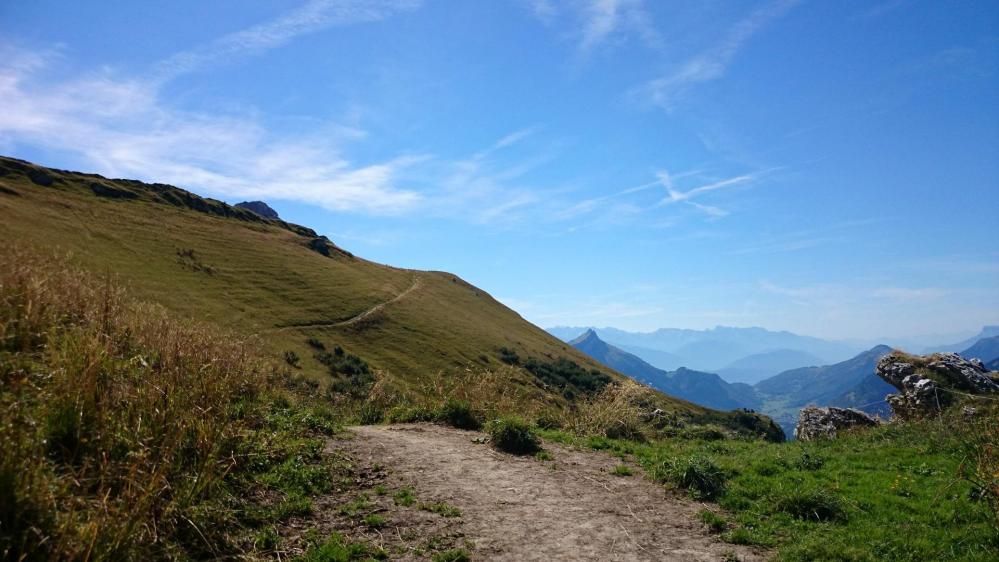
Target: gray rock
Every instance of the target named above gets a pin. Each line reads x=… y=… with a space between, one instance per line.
x=929 y=384
x=41 y=178
x=825 y=423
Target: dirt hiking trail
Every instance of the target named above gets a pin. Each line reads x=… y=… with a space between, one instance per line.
x=417 y=283
x=522 y=508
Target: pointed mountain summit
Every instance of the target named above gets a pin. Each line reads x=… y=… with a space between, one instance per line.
x=589 y=338
x=698 y=387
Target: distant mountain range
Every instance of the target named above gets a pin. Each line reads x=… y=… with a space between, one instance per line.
x=737 y=354
x=757 y=367
x=706 y=389
x=986 y=333
x=800 y=379
x=986 y=349
x=850 y=383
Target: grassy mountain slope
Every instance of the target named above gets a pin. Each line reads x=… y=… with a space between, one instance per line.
x=207 y=260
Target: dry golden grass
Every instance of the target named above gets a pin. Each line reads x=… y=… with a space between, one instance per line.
x=618 y=411
x=117 y=423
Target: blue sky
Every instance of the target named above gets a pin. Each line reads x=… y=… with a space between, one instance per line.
x=824 y=167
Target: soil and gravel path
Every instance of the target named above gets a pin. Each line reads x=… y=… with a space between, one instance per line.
x=517 y=508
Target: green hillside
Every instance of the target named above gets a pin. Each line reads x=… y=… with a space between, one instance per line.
x=203 y=259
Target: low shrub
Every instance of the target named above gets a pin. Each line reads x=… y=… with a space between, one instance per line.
x=547 y=420
x=513 y=435
x=509 y=356
x=460 y=414
x=356 y=386
x=370 y=414
x=699 y=475
x=291 y=358
x=564 y=373
x=341 y=363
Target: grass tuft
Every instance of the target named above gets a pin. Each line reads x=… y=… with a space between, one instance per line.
x=452 y=555
x=404 y=497
x=699 y=475
x=622 y=470
x=443 y=509
x=811 y=504
x=513 y=435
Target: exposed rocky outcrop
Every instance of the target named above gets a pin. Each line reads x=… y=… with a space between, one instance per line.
x=324 y=246
x=104 y=190
x=825 y=423
x=928 y=384
x=259 y=207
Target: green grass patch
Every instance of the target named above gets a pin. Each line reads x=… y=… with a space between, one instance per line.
x=339 y=549
x=543 y=455
x=890 y=493
x=622 y=470
x=716 y=523
x=443 y=509
x=404 y=497
x=452 y=555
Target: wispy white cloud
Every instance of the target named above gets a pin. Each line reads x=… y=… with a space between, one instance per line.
x=123 y=127
x=488 y=187
x=600 y=20
x=595 y=23
x=614 y=210
x=313 y=16
x=673 y=195
x=711 y=64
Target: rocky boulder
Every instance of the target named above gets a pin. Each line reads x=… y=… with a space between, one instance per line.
x=824 y=423
x=260 y=208
x=928 y=384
